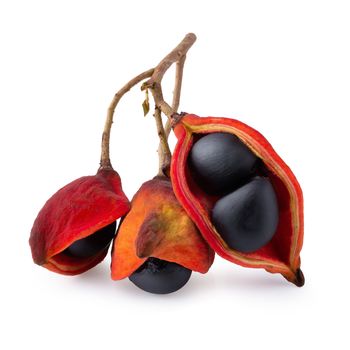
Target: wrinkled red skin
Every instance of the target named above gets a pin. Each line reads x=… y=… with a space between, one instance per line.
x=76 y=211
x=282 y=253
x=157 y=226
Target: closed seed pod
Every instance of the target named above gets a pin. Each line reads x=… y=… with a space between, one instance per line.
x=78 y=210
x=158 y=227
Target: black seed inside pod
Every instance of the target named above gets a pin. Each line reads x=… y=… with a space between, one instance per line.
x=247 y=218
x=220 y=162
x=93 y=244
x=160 y=277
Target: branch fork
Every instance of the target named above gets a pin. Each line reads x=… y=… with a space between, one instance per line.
x=153 y=84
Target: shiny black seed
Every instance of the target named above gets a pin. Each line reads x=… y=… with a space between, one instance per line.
x=220 y=162
x=247 y=218
x=160 y=276
x=93 y=244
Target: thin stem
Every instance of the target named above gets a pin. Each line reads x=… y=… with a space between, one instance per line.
x=105 y=160
x=177 y=55
x=157 y=94
x=178 y=83
x=164 y=156
x=177 y=92
x=164 y=150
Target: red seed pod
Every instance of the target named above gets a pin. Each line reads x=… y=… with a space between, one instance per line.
x=76 y=211
x=158 y=227
x=282 y=253
x=74 y=229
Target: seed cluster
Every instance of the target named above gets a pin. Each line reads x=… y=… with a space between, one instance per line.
x=246 y=215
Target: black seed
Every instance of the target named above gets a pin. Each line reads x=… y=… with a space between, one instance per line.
x=93 y=244
x=221 y=162
x=247 y=218
x=160 y=276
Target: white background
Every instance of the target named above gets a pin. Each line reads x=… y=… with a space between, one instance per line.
x=280 y=66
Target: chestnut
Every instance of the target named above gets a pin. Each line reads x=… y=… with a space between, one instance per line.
x=221 y=162
x=93 y=244
x=160 y=276
x=247 y=218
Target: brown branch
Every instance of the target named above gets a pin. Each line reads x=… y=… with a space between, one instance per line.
x=105 y=160
x=178 y=83
x=164 y=156
x=174 y=56
x=178 y=56
x=163 y=150
x=154 y=83
x=157 y=94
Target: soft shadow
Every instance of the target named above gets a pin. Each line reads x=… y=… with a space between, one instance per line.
x=195 y=286
x=211 y=283
x=127 y=288
x=199 y=284
x=98 y=275
x=236 y=281
x=253 y=282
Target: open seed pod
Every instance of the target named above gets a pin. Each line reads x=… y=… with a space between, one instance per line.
x=232 y=208
x=158 y=227
x=73 y=230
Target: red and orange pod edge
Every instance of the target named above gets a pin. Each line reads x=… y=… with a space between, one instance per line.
x=282 y=253
x=157 y=226
x=75 y=212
